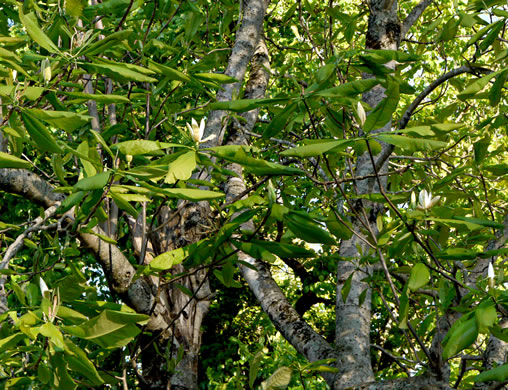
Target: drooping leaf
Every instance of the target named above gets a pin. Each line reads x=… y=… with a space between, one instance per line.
x=411 y=144
x=419 y=277
x=499 y=374
x=383 y=112
x=10 y=161
x=69 y=121
x=181 y=168
x=461 y=335
x=279 y=380
x=35 y=32
x=318 y=148
x=41 y=136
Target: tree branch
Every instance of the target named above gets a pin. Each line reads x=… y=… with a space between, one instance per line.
x=413 y=16
x=436 y=83
x=116 y=266
x=243 y=49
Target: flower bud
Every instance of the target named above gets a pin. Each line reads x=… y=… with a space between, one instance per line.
x=46 y=70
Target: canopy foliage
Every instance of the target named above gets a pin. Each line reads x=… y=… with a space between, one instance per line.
x=365 y=175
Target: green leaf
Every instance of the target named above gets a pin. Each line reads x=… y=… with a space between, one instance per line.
x=476 y=86
x=411 y=144
x=279 y=121
x=307 y=229
x=110 y=41
x=254 y=367
x=481 y=222
x=252 y=165
x=123 y=203
x=461 y=335
x=496 y=91
x=383 y=112
x=350 y=89
x=485 y=318
x=170 y=73
x=318 y=148
x=35 y=32
x=499 y=374
x=498 y=169
x=279 y=380
x=11 y=341
x=457 y=254
x=215 y=77
x=337 y=228
x=192 y=194
x=181 y=168
x=100 y=98
x=10 y=161
x=110 y=329
x=98 y=181
x=419 y=277
x=69 y=121
x=243 y=105
x=169 y=259
x=119 y=72
x=74 y=8
x=346 y=287
x=41 y=136
x=78 y=361
x=53 y=333
x=140 y=146
x=43 y=373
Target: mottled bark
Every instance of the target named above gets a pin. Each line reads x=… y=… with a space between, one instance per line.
x=352 y=326
x=243 y=49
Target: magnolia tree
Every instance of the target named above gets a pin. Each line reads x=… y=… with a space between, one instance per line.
x=152 y=150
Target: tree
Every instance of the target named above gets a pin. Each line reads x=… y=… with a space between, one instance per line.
x=151 y=148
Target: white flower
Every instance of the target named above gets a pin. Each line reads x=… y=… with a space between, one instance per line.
x=490 y=272
x=491 y=275
x=46 y=70
x=14 y=74
x=196 y=131
x=426 y=201
x=361 y=113
x=44 y=288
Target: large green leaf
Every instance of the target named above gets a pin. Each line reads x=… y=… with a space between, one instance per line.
x=383 y=112
x=110 y=328
x=169 y=259
x=253 y=165
x=461 y=335
x=95 y=182
x=499 y=374
x=35 y=32
x=142 y=146
x=279 y=380
x=119 y=72
x=181 y=168
x=69 y=121
x=307 y=229
x=318 y=148
x=350 y=89
x=245 y=104
x=411 y=144
x=10 y=161
x=78 y=361
x=476 y=86
x=419 y=277
x=41 y=136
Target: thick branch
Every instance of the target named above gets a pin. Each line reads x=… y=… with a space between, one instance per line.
x=413 y=16
x=116 y=266
x=436 y=83
x=243 y=49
